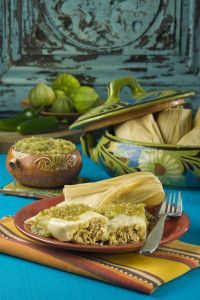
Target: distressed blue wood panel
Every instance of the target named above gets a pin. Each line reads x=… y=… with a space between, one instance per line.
x=156 y=41
x=4 y=28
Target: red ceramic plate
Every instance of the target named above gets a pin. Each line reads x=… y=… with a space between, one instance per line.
x=174 y=228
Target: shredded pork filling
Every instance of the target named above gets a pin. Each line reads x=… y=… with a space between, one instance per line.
x=127 y=234
x=91 y=235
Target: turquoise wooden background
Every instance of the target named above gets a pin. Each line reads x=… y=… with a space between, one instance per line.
x=98 y=40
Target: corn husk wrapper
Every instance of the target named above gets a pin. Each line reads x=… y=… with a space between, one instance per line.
x=192 y=138
x=174 y=123
x=138 y=187
x=197 y=118
x=142 y=129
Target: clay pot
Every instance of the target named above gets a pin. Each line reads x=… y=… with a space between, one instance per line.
x=41 y=170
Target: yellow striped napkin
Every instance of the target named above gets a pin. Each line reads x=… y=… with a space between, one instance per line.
x=129 y=270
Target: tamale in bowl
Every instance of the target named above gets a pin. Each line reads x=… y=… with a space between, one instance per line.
x=174 y=165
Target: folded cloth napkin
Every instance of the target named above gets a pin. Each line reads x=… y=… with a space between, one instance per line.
x=128 y=270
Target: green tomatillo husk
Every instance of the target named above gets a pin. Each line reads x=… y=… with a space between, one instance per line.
x=62 y=105
x=85 y=99
x=66 y=83
x=41 y=95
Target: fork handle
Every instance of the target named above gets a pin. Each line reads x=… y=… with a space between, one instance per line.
x=155 y=236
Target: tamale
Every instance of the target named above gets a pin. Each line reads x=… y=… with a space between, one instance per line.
x=125 y=229
x=127 y=222
x=74 y=223
x=192 y=138
x=174 y=123
x=39 y=222
x=143 y=129
x=197 y=118
x=138 y=187
x=147 y=190
x=83 y=189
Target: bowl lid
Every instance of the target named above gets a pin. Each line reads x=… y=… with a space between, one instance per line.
x=115 y=110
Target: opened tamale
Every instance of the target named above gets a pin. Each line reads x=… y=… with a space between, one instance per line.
x=174 y=123
x=143 y=129
x=192 y=138
x=127 y=222
x=74 y=223
x=138 y=187
x=197 y=118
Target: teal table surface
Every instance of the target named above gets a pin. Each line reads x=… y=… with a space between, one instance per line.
x=20 y=279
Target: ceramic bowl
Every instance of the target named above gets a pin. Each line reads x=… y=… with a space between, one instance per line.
x=42 y=170
x=175 y=166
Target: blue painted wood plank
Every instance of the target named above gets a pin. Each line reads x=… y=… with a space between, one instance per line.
x=156 y=41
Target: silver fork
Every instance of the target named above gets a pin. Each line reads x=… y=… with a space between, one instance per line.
x=171 y=207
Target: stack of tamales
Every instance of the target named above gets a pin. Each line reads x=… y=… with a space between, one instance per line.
x=172 y=126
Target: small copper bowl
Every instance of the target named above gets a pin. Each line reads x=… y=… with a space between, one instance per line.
x=42 y=170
